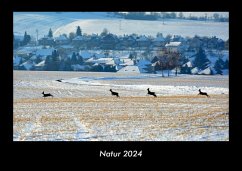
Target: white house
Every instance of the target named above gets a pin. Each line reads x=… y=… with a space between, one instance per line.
x=130 y=69
x=173 y=46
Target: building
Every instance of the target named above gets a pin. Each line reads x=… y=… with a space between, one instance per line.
x=108 y=42
x=130 y=69
x=62 y=40
x=159 y=41
x=173 y=46
x=47 y=41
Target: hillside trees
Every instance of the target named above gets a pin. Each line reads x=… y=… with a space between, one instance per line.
x=201 y=61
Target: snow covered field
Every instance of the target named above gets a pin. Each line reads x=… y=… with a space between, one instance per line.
x=95 y=22
x=84 y=110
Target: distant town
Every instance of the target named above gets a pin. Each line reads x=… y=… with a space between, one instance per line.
x=107 y=52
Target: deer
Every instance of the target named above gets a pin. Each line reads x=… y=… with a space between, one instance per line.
x=114 y=93
x=46 y=95
x=151 y=93
x=203 y=93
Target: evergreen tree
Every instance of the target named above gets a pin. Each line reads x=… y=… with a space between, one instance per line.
x=79 y=59
x=226 y=64
x=68 y=65
x=62 y=65
x=48 y=63
x=73 y=59
x=131 y=56
x=201 y=61
x=55 y=60
x=78 y=31
x=52 y=62
x=26 y=39
x=104 y=32
x=218 y=66
x=50 y=34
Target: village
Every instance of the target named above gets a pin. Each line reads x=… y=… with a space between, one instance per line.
x=133 y=53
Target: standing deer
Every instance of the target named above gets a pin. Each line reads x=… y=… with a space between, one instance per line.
x=46 y=95
x=203 y=93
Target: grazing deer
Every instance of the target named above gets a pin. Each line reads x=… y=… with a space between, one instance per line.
x=114 y=93
x=151 y=93
x=203 y=93
x=46 y=95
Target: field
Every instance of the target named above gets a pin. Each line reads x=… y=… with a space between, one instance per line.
x=84 y=110
x=94 y=23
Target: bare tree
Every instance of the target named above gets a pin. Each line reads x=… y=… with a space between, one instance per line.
x=167 y=61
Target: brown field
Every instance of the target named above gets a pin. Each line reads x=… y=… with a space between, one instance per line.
x=90 y=113
x=128 y=118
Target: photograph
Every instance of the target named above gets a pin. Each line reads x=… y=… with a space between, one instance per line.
x=121 y=76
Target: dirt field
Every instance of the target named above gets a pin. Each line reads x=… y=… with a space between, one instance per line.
x=106 y=118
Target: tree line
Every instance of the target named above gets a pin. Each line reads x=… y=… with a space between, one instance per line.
x=169 y=15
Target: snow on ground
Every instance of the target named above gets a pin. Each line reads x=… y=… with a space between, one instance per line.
x=123 y=26
x=95 y=23
x=84 y=110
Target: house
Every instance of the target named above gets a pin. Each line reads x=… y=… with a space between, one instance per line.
x=143 y=41
x=28 y=65
x=43 y=53
x=128 y=42
x=195 y=43
x=104 y=61
x=130 y=69
x=64 y=50
x=159 y=41
x=23 y=52
x=144 y=66
x=16 y=61
x=207 y=71
x=94 y=42
x=47 y=41
x=194 y=70
x=173 y=46
x=78 y=41
x=62 y=40
x=85 y=54
x=188 y=64
x=108 y=42
x=125 y=61
x=178 y=38
x=39 y=66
